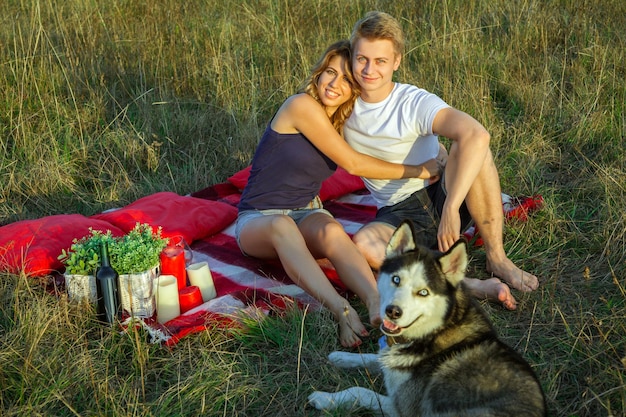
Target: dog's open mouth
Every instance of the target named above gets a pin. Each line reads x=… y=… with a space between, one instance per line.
x=390 y=328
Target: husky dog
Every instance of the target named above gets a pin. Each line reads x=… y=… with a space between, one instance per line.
x=443 y=356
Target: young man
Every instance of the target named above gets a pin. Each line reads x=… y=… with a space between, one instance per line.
x=400 y=123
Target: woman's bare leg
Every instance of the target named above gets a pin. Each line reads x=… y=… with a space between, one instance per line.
x=278 y=236
x=326 y=238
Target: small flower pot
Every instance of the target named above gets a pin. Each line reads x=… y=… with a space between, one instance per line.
x=138 y=292
x=81 y=288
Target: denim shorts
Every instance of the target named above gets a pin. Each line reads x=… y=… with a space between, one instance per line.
x=424 y=209
x=299 y=214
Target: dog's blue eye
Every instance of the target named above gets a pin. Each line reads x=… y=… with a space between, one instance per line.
x=395 y=279
x=422 y=293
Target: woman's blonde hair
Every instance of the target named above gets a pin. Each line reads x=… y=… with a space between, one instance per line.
x=342 y=49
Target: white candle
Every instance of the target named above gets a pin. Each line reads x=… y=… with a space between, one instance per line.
x=200 y=275
x=168 y=305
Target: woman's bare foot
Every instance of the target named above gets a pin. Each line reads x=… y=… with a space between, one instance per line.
x=492 y=289
x=373 y=309
x=350 y=327
x=508 y=272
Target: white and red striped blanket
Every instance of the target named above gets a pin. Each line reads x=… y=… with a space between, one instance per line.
x=244 y=285
x=249 y=286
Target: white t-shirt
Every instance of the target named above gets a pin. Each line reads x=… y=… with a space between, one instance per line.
x=397 y=129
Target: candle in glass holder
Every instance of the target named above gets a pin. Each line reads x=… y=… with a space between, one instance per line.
x=168 y=304
x=173 y=260
x=200 y=276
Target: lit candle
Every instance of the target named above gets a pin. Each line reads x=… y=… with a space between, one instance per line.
x=168 y=304
x=200 y=276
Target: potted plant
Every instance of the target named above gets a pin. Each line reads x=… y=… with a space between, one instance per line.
x=81 y=261
x=137 y=251
x=136 y=258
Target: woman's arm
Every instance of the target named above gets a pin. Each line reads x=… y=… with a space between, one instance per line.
x=301 y=113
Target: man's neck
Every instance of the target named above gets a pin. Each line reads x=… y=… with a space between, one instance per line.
x=378 y=95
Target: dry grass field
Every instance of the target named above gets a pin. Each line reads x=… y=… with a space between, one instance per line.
x=104 y=102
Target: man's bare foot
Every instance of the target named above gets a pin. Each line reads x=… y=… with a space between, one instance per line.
x=508 y=272
x=350 y=327
x=493 y=290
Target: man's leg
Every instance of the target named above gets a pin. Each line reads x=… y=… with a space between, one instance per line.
x=493 y=290
x=484 y=202
x=372 y=240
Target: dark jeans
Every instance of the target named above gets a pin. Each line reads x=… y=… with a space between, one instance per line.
x=423 y=208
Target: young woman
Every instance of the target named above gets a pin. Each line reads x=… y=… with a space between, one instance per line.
x=280 y=213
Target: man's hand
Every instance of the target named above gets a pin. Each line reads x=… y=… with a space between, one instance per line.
x=449 y=230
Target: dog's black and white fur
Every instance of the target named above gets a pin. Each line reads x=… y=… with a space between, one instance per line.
x=447 y=359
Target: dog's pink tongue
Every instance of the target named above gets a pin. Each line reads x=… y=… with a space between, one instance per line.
x=390 y=326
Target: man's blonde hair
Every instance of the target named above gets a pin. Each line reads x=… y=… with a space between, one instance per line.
x=379 y=25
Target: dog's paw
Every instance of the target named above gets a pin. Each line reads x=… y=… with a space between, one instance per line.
x=345 y=359
x=348 y=360
x=322 y=400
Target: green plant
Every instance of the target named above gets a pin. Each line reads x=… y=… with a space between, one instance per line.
x=138 y=250
x=83 y=256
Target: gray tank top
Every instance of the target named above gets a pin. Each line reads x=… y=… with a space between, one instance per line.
x=287 y=172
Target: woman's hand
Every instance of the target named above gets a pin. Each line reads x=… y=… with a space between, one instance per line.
x=435 y=167
x=432 y=170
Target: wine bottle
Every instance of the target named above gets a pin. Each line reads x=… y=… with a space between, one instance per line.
x=108 y=310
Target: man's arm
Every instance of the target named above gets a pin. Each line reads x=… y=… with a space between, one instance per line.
x=470 y=147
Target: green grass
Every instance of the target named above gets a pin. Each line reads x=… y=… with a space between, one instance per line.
x=106 y=102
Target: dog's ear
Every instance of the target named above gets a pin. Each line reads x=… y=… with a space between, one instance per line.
x=454 y=262
x=402 y=240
